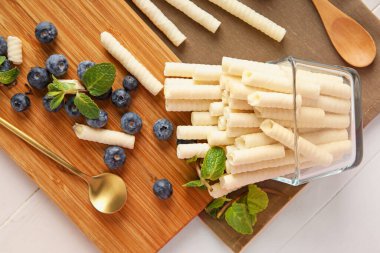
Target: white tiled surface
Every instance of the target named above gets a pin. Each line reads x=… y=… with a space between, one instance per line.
x=337 y=214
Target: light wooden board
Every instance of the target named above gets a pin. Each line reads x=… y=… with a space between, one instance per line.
x=306 y=39
x=146 y=223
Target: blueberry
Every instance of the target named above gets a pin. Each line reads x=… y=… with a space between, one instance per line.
x=121 y=98
x=71 y=108
x=3 y=46
x=46 y=102
x=46 y=32
x=163 y=129
x=131 y=123
x=130 y=83
x=105 y=96
x=100 y=122
x=57 y=64
x=185 y=141
x=114 y=157
x=20 y=102
x=7 y=65
x=163 y=189
x=83 y=66
x=39 y=78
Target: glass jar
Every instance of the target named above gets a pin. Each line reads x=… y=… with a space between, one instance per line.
x=297 y=69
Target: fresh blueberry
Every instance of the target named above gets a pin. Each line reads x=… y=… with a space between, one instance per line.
x=185 y=141
x=121 y=98
x=71 y=108
x=20 y=102
x=39 y=78
x=105 y=96
x=131 y=123
x=163 y=189
x=3 y=46
x=57 y=64
x=130 y=83
x=163 y=129
x=7 y=65
x=99 y=122
x=46 y=32
x=114 y=157
x=46 y=102
x=83 y=66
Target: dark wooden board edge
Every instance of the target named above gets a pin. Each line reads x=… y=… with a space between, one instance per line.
x=279 y=196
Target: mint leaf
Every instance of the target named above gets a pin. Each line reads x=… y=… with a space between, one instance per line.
x=213 y=208
x=8 y=77
x=257 y=199
x=195 y=183
x=86 y=106
x=239 y=219
x=57 y=100
x=56 y=85
x=99 y=78
x=2 y=59
x=192 y=160
x=214 y=164
x=53 y=93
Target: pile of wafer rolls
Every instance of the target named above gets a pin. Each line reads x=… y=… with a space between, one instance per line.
x=250 y=108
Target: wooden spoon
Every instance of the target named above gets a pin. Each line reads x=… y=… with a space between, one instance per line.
x=354 y=44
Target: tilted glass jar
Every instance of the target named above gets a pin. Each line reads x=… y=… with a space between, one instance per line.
x=298 y=70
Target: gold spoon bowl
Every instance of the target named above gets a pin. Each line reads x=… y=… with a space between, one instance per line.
x=107 y=193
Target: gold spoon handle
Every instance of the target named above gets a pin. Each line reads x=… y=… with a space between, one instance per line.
x=43 y=149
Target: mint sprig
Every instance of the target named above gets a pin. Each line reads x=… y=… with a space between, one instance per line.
x=9 y=76
x=245 y=209
x=240 y=213
x=99 y=78
x=212 y=168
x=214 y=164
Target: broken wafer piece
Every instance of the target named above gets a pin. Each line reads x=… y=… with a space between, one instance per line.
x=104 y=136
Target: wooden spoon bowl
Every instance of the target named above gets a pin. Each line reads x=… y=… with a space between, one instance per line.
x=354 y=44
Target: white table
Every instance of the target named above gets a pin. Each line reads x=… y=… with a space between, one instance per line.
x=336 y=214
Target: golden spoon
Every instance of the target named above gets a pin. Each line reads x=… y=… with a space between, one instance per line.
x=354 y=44
x=107 y=192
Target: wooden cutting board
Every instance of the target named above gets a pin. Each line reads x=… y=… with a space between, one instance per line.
x=146 y=223
x=306 y=38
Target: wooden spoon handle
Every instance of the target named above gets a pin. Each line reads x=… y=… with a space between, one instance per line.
x=327 y=11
